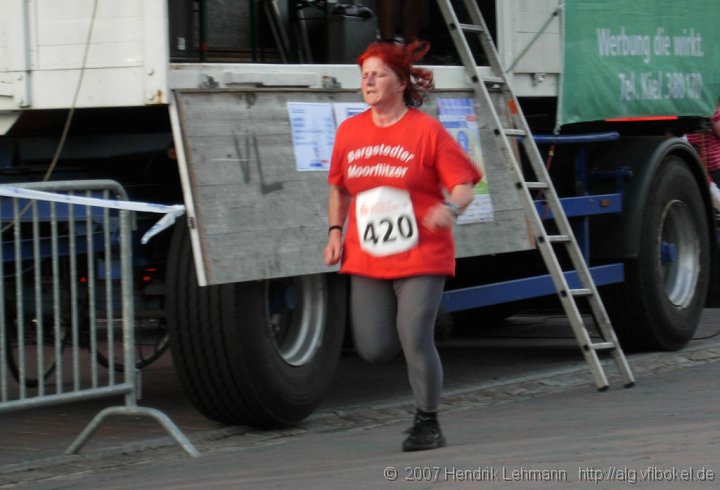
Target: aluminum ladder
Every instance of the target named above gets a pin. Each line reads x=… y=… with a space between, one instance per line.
x=505 y=135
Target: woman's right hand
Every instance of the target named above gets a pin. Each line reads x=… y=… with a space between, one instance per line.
x=333 y=249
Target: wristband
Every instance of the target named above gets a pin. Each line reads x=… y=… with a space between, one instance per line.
x=335 y=227
x=454 y=208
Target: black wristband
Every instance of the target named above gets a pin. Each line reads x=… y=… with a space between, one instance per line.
x=334 y=227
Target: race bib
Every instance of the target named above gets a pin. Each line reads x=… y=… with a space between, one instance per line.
x=386 y=221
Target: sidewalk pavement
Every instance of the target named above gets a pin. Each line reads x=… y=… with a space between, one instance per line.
x=33 y=441
x=661 y=434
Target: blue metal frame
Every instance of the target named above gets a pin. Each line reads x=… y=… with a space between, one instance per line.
x=566 y=139
x=27 y=251
x=584 y=205
x=44 y=209
x=526 y=288
x=63 y=212
x=580 y=206
x=581 y=229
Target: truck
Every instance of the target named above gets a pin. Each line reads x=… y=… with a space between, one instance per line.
x=230 y=107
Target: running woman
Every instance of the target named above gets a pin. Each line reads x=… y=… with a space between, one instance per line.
x=398 y=181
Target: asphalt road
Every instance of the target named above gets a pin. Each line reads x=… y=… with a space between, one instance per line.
x=519 y=411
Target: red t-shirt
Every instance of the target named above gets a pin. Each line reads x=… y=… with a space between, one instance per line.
x=415 y=154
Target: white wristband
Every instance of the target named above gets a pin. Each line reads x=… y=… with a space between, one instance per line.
x=454 y=208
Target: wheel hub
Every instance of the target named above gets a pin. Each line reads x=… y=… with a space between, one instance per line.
x=297 y=316
x=679 y=253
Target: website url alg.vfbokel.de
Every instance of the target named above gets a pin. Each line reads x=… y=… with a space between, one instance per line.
x=633 y=475
x=588 y=474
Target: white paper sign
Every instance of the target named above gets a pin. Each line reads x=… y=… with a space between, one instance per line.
x=458 y=117
x=313 y=134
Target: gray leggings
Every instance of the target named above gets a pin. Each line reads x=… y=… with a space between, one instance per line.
x=390 y=315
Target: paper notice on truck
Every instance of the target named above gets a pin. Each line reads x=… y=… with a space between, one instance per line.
x=313 y=134
x=639 y=58
x=459 y=118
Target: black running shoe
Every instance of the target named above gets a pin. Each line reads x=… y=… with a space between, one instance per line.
x=422 y=436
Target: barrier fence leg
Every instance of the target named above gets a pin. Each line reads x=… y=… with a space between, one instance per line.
x=163 y=419
x=131 y=376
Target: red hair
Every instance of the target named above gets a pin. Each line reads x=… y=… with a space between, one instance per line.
x=400 y=59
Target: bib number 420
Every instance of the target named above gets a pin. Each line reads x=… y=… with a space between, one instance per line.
x=386 y=221
x=388 y=230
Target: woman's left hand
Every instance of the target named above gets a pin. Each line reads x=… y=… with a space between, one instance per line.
x=439 y=216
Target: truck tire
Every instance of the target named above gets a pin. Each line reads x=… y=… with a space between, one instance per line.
x=259 y=353
x=660 y=303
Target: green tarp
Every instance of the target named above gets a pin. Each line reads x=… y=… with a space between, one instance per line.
x=638 y=58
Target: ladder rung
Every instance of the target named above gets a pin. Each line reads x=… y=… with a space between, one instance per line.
x=514 y=132
x=558 y=238
x=602 y=346
x=536 y=185
x=493 y=80
x=581 y=292
x=470 y=28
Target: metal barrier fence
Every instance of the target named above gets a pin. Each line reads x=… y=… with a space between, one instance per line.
x=67 y=313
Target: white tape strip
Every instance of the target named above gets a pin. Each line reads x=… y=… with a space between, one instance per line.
x=171 y=212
